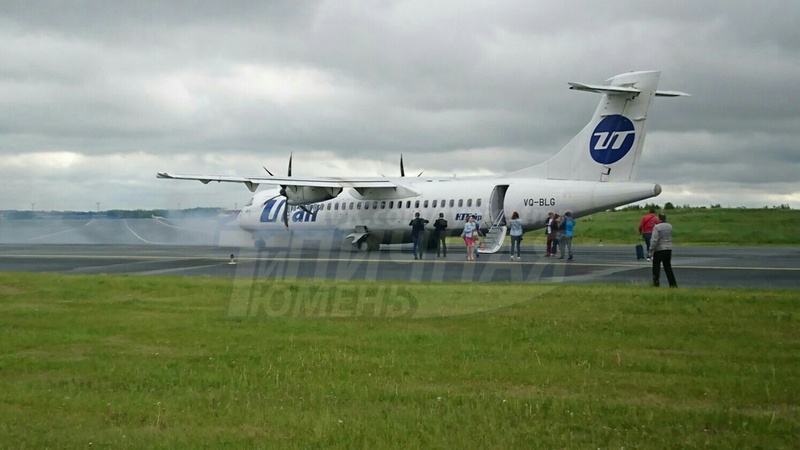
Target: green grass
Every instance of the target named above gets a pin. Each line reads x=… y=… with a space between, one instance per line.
x=691 y=226
x=158 y=362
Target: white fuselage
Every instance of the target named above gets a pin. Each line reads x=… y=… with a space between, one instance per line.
x=456 y=198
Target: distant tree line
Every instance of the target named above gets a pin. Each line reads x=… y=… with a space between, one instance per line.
x=669 y=205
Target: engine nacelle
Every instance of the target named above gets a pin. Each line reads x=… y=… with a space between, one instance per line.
x=303 y=195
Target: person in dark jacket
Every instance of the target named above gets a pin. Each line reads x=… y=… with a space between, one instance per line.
x=417 y=225
x=550 y=230
x=440 y=227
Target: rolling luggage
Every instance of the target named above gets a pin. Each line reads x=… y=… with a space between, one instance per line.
x=639 y=251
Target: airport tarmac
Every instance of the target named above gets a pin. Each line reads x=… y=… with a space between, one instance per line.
x=203 y=247
x=724 y=267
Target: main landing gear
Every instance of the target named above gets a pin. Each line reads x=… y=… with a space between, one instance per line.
x=369 y=243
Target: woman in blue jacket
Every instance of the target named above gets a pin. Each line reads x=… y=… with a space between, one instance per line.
x=566 y=238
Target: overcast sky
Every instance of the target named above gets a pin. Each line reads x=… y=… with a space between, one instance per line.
x=98 y=96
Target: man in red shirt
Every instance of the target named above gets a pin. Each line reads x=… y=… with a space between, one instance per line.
x=646 y=228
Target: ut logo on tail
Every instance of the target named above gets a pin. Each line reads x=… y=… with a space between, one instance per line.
x=612 y=139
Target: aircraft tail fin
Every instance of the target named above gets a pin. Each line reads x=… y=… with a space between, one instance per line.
x=609 y=146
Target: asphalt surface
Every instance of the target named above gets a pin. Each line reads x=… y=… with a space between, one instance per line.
x=752 y=267
x=203 y=247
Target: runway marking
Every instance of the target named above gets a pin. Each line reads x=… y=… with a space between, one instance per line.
x=62 y=231
x=134 y=233
x=163 y=221
x=241 y=259
x=177 y=269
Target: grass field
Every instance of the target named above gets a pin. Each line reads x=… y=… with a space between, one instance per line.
x=157 y=362
x=692 y=226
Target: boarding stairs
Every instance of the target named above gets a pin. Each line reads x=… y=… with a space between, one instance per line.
x=495 y=237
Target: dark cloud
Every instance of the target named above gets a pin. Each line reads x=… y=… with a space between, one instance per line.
x=138 y=87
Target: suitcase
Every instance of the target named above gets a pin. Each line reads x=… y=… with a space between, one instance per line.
x=639 y=251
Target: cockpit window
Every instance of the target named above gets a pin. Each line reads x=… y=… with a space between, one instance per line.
x=250 y=203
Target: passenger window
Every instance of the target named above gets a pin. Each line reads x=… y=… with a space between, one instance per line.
x=374 y=205
x=366 y=205
x=478 y=202
x=351 y=206
x=452 y=203
x=460 y=202
x=408 y=204
x=383 y=205
x=416 y=204
x=358 y=205
x=425 y=204
x=335 y=206
x=469 y=202
x=391 y=204
x=434 y=204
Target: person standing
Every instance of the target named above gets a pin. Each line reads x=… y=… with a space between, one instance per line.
x=516 y=234
x=417 y=232
x=440 y=225
x=470 y=235
x=549 y=231
x=566 y=238
x=557 y=232
x=646 y=228
x=661 y=251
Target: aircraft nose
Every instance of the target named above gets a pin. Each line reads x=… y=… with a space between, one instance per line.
x=245 y=217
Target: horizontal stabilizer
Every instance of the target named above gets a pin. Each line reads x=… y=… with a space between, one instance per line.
x=619 y=90
x=672 y=94
x=611 y=90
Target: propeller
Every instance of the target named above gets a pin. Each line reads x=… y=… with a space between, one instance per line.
x=403 y=170
x=282 y=193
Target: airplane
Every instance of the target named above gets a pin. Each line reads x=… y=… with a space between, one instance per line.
x=593 y=172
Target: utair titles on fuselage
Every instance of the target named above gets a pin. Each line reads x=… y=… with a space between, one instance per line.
x=593 y=172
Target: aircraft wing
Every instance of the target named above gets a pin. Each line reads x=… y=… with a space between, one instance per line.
x=252 y=183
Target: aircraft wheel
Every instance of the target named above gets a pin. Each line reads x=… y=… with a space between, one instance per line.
x=260 y=244
x=369 y=244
